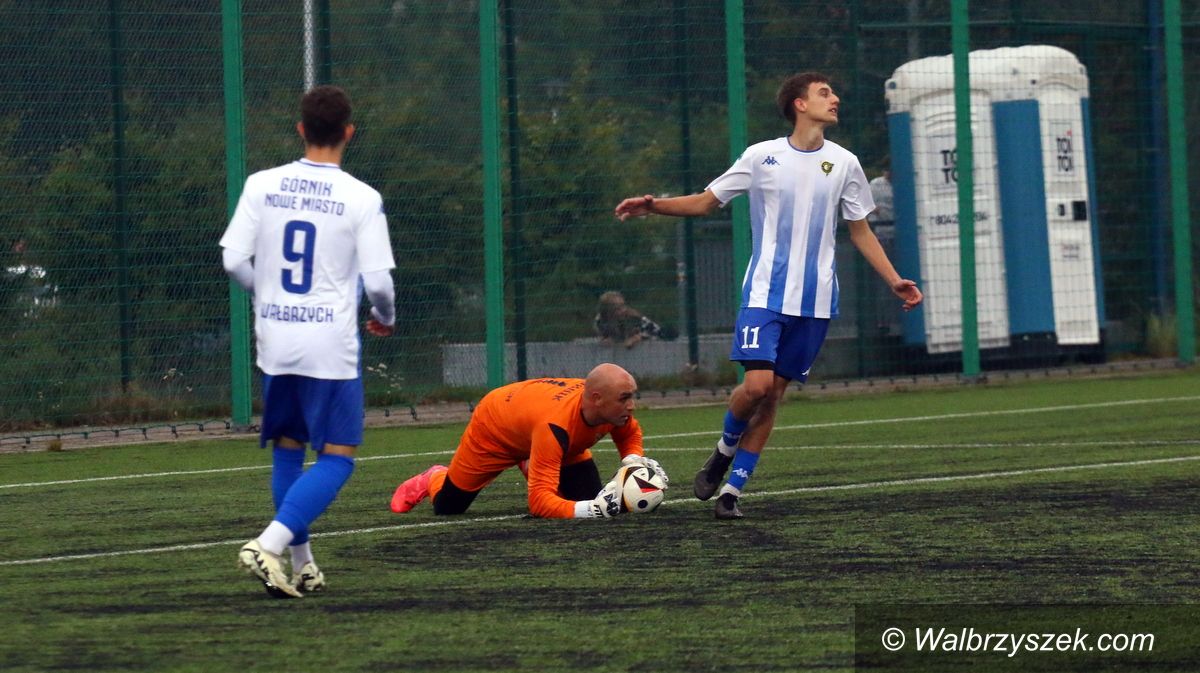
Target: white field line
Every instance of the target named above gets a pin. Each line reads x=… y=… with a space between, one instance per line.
x=969 y=477
x=802 y=426
x=959 y=445
x=965 y=414
x=241 y=541
x=679 y=501
x=182 y=473
x=660 y=449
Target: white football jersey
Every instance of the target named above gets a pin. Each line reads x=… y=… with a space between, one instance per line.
x=795 y=199
x=312 y=229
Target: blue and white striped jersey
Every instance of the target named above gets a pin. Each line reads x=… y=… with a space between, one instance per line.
x=312 y=229
x=795 y=197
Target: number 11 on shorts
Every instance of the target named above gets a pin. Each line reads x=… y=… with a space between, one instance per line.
x=750 y=337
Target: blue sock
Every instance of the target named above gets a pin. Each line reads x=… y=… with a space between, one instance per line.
x=733 y=429
x=288 y=466
x=313 y=492
x=743 y=467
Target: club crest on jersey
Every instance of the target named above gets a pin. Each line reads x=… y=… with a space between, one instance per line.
x=826 y=167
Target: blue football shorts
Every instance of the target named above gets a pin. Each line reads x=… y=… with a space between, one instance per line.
x=312 y=411
x=788 y=342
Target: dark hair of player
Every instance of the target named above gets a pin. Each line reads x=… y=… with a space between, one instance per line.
x=325 y=113
x=795 y=87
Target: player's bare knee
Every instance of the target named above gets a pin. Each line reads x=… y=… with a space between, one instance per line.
x=757 y=392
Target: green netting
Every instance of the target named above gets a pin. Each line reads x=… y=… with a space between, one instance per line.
x=113 y=163
x=113 y=179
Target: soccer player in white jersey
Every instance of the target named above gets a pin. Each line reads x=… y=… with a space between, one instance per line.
x=798 y=185
x=301 y=238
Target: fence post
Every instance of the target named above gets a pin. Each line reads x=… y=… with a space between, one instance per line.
x=235 y=177
x=1180 y=219
x=682 y=81
x=516 y=196
x=965 y=167
x=493 y=225
x=120 y=189
x=735 y=76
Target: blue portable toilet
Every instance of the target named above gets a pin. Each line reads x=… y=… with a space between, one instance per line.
x=1047 y=194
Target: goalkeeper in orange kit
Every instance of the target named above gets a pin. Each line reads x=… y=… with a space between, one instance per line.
x=547 y=427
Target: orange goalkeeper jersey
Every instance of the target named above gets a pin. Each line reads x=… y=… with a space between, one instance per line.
x=541 y=420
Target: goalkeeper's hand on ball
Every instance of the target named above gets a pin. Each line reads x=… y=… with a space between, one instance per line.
x=607 y=502
x=649 y=464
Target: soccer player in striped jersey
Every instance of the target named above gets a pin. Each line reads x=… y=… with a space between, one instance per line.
x=798 y=185
x=303 y=237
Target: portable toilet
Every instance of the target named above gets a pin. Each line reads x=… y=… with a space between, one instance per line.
x=1047 y=194
x=921 y=129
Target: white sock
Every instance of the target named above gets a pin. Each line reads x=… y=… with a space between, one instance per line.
x=730 y=489
x=275 y=537
x=301 y=554
x=725 y=449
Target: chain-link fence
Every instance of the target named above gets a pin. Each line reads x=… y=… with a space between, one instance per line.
x=114 y=157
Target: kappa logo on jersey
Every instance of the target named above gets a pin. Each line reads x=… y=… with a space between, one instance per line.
x=826 y=167
x=770 y=161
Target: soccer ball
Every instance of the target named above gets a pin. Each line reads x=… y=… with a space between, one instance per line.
x=640 y=488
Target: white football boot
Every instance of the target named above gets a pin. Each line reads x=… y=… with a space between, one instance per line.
x=268 y=569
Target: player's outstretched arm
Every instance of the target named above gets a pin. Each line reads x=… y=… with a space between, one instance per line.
x=692 y=205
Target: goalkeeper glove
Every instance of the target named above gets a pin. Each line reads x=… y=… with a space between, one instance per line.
x=606 y=504
x=649 y=464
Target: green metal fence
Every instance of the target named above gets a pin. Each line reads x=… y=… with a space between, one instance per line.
x=503 y=134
